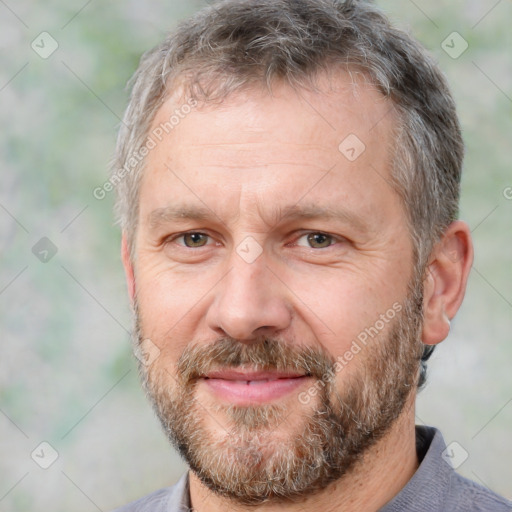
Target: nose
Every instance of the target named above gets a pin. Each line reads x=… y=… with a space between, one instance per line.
x=250 y=302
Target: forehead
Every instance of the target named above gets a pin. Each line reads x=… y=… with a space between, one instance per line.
x=341 y=102
x=328 y=144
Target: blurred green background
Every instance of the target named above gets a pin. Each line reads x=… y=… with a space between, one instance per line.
x=67 y=375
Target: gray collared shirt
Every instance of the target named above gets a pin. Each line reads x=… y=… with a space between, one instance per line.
x=435 y=487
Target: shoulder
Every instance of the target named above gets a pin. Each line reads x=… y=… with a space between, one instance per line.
x=169 y=499
x=469 y=496
x=459 y=494
x=155 y=502
x=436 y=486
x=456 y=493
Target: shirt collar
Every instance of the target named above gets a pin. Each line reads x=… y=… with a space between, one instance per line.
x=429 y=486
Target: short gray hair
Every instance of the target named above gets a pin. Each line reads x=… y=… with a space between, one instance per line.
x=236 y=44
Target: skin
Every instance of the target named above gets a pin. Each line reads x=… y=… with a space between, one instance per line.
x=246 y=163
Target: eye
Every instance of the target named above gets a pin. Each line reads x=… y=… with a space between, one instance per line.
x=193 y=239
x=316 y=240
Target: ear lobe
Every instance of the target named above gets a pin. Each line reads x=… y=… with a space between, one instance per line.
x=128 y=268
x=436 y=324
x=445 y=281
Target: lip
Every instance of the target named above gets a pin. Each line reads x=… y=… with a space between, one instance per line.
x=252 y=387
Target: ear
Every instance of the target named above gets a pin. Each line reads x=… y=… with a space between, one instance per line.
x=128 y=267
x=445 y=281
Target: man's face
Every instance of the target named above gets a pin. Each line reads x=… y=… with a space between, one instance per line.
x=269 y=240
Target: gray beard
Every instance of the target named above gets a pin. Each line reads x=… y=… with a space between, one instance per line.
x=259 y=459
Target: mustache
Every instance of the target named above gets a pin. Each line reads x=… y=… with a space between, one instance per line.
x=262 y=354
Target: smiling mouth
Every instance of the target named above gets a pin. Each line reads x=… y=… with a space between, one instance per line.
x=256 y=382
x=247 y=387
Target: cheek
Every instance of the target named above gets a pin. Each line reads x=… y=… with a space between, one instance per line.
x=170 y=308
x=332 y=306
x=166 y=293
x=338 y=307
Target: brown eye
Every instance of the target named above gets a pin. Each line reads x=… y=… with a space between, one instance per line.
x=194 y=239
x=319 y=240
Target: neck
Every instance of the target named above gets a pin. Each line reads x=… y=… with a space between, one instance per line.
x=379 y=476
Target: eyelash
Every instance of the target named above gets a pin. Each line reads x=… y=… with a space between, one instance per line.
x=182 y=235
x=333 y=238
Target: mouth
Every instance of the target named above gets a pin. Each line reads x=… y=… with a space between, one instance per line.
x=252 y=387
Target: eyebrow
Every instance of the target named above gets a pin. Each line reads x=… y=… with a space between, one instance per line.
x=174 y=213
x=294 y=212
x=313 y=212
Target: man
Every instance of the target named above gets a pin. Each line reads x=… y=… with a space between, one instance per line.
x=288 y=181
